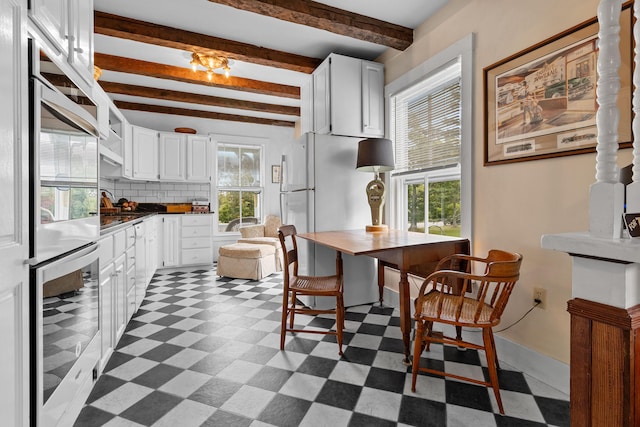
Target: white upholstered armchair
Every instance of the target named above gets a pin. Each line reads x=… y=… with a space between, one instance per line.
x=264 y=234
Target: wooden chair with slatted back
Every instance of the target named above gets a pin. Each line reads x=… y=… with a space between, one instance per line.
x=437 y=302
x=295 y=286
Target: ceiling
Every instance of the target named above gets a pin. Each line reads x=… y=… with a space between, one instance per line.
x=273 y=46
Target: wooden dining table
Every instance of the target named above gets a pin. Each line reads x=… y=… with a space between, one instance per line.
x=408 y=252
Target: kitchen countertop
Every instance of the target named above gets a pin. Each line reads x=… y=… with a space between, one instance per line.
x=114 y=222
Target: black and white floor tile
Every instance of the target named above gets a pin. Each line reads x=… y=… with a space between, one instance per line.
x=204 y=351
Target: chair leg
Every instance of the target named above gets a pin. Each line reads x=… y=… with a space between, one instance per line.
x=283 y=325
x=339 y=321
x=493 y=344
x=417 y=350
x=429 y=331
x=293 y=309
x=491 y=366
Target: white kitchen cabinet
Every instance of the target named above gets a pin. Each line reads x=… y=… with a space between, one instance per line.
x=106 y=313
x=141 y=264
x=170 y=241
x=68 y=24
x=196 y=242
x=119 y=295
x=198 y=158
x=144 y=153
x=348 y=97
x=15 y=307
x=127 y=150
x=151 y=236
x=172 y=156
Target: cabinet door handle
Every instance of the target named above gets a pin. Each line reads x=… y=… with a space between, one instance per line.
x=79 y=49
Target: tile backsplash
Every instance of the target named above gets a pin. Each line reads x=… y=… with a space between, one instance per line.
x=156 y=192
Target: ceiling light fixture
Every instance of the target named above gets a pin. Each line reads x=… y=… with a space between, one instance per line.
x=210 y=63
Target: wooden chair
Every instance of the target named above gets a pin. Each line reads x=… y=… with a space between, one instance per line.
x=443 y=298
x=295 y=285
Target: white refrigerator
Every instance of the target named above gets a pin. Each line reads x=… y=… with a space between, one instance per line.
x=321 y=190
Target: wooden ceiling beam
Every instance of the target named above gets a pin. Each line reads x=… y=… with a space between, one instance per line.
x=194 y=98
x=202 y=114
x=162 y=71
x=146 y=32
x=329 y=18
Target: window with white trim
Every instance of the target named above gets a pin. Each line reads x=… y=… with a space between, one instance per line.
x=239 y=185
x=428 y=125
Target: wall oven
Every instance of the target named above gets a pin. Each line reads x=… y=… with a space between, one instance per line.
x=65 y=338
x=64 y=228
x=64 y=161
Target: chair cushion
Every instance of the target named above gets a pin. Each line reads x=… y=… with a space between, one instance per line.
x=450 y=304
x=246 y=250
x=271 y=225
x=248 y=231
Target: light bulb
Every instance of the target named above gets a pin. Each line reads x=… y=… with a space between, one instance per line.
x=209 y=74
x=226 y=72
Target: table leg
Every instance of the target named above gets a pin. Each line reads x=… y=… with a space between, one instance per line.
x=405 y=316
x=381 y=281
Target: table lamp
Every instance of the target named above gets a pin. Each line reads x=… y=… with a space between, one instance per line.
x=375 y=155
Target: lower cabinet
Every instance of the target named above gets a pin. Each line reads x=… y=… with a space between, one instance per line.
x=196 y=242
x=117 y=281
x=185 y=240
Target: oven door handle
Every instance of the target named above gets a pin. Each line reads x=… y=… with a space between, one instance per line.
x=70 y=263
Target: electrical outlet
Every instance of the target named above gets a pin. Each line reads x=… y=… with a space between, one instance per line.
x=540 y=294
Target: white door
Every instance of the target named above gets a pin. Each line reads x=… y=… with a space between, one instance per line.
x=172 y=153
x=145 y=153
x=14 y=234
x=198 y=153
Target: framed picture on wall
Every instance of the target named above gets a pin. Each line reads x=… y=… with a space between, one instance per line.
x=275 y=174
x=541 y=102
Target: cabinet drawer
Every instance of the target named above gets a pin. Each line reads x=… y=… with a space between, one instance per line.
x=197 y=256
x=192 y=220
x=131 y=277
x=199 y=231
x=131 y=257
x=105 y=251
x=196 y=242
x=119 y=242
x=131 y=303
x=131 y=236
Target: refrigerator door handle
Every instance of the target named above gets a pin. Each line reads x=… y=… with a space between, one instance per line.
x=283 y=176
x=283 y=212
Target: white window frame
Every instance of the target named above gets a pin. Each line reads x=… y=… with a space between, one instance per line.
x=242 y=141
x=462 y=50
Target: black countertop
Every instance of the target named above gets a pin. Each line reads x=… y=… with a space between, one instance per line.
x=113 y=222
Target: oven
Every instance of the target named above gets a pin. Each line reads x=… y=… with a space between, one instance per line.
x=64 y=227
x=63 y=161
x=65 y=333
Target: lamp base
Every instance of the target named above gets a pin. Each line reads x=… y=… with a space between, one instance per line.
x=376 y=228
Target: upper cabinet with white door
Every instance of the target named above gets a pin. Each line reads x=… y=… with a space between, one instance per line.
x=348 y=98
x=172 y=156
x=68 y=25
x=198 y=158
x=144 y=153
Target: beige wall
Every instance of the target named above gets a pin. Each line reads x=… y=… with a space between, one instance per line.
x=514 y=205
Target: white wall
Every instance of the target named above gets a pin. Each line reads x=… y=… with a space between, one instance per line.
x=515 y=204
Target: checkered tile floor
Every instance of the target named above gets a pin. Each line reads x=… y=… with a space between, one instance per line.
x=204 y=351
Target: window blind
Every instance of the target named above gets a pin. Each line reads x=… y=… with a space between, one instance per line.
x=427 y=122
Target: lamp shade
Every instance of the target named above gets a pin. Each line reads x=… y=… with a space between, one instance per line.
x=375 y=155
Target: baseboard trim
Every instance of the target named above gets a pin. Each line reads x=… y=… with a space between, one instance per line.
x=537 y=365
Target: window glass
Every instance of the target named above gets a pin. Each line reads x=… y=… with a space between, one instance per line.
x=426 y=125
x=239 y=185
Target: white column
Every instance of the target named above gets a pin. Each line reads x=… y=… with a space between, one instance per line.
x=606 y=196
x=633 y=189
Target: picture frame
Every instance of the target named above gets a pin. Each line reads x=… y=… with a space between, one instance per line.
x=541 y=102
x=275 y=174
